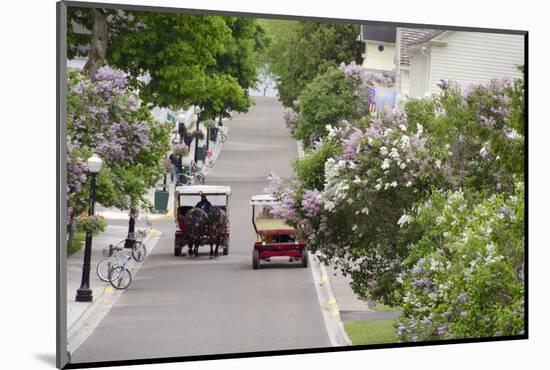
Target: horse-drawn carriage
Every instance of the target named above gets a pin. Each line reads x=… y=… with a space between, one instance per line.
x=195 y=227
x=275 y=238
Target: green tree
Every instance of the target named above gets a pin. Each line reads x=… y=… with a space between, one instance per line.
x=299 y=51
x=235 y=70
x=329 y=98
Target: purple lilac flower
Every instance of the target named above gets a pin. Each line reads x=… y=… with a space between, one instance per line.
x=349 y=145
x=463 y=298
x=274 y=184
x=447 y=314
x=443 y=84
x=421 y=283
x=442 y=330
x=311 y=203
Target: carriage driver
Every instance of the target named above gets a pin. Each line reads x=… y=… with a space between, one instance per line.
x=204 y=204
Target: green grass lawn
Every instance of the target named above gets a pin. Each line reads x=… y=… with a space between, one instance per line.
x=383 y=308
x=371 y=332
x=77 y=243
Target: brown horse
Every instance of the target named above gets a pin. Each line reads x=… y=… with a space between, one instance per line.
x=217 y=224
x=196 y=222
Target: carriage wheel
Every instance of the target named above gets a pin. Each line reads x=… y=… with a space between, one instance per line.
x=304 y=257
x=255 y=259
x=177 y=251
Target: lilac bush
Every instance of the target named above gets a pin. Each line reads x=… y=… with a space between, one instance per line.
x=469 y=281
x=105 y=117
x=459 y=155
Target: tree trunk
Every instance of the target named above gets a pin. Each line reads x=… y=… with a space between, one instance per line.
x=98 y=44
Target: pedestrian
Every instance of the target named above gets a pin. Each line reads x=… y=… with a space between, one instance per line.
x=182 y=130
x=176 y=166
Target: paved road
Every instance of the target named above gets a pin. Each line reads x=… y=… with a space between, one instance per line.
x=179 y=306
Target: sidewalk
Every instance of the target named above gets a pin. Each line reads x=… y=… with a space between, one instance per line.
x=83 y=315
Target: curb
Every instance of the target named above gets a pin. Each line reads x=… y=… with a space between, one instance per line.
x=325 y=294
x=329 y=306
x=85 y=325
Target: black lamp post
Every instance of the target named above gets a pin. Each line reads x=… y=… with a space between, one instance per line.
x=197 y=111
x=84 y=293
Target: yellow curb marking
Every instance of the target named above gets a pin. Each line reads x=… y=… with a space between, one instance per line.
x=105 y=301
x=332 y=301
x=324 y=277
x=335 y=312
x=108 y=289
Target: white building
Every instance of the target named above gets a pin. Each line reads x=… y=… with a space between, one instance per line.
x=462 y=57
x=380 y=46
x=420 y=58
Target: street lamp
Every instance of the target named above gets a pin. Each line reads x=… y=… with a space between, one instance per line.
x=84 y=293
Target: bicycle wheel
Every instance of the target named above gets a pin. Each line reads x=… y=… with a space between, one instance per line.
x=200 y=178
x=223 y=137
x=103 y=268
x=120 y=277
x=139 y=251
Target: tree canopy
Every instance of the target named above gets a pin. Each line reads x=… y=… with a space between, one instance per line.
x=299 y=51
x=176 y=60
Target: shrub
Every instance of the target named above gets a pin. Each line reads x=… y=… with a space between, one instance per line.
x=465 y=274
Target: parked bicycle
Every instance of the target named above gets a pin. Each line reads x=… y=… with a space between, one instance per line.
x=120 y=276
x=222 y=137
x=115 y=255
x=195 y=175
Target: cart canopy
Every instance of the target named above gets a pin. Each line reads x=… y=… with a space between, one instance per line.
x=263 y=200
x=206 y=189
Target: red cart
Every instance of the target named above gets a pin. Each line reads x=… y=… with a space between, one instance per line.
x=275 y=238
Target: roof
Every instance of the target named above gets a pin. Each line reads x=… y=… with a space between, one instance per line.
x=206 y=189
x=378 y=33
x=411 y=36
x=428 y=37
x=263 y=199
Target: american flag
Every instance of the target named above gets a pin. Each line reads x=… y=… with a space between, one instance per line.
x=371 y=96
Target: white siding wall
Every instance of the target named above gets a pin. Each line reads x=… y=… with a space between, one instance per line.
x=403 y=82
x=379 y=60
x=475 y=58
x=419 y=75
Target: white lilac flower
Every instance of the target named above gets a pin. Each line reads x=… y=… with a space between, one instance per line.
x=483 y=152
x=365 y=211
x=394 y=154
x=383 y=150
x=408 y=184
x=403 y=127
x=419 y=129
x=332 y=132
x=385 y=164
x=378 y=186
x=438 y=163
x=387 y=186
x=402 y=166
x=329 y=205
x=354 y=227
x=404 y=220
x=393 y=184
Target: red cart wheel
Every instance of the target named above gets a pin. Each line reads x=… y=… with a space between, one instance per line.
x=255 y=259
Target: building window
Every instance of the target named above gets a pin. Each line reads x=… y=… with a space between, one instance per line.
x=380 y=47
